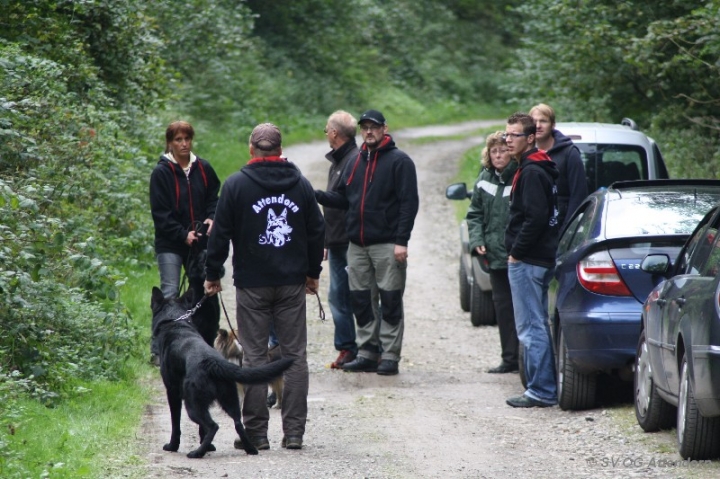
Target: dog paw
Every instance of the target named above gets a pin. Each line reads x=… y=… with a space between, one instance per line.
x=171 y=446
x=196 y=454
x=251 y=450
x=211 y=448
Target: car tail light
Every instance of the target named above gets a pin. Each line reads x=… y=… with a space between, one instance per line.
x=598 y=274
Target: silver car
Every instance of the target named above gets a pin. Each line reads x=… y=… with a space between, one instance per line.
x=610 y=152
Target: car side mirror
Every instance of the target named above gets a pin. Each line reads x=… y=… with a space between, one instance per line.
x=457 y=191
x=655 y=263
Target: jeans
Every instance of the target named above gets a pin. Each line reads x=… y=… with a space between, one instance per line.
x=170 y=268
x=529 y=285
x=340 y=300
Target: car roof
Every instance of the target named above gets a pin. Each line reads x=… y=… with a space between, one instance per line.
x=604 y=133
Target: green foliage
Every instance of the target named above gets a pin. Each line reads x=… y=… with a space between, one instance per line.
x=653 y=61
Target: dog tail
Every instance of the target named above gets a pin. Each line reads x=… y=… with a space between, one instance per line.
x=223 y=369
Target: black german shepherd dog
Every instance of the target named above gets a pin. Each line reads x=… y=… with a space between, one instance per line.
x=198 y=374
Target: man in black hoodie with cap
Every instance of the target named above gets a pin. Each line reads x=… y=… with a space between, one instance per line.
x=531 y=239
x=268 y=211
x=379 y=190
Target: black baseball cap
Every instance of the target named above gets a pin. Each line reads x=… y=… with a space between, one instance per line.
x=373 y=116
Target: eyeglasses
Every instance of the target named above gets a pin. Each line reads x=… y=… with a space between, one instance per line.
x=507 y=136
x=372 y=127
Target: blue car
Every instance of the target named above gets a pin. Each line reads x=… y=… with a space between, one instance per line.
x=596 y=305
x=677 y=371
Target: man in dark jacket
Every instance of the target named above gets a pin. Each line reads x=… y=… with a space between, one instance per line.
x=531 y=239
x=379 y=190
x=340 y=130
x=268 y=211
x=572 y=182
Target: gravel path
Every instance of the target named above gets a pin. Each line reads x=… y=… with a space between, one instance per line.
x=442 y=416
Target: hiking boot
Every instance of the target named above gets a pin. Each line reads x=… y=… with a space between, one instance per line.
x=344 y=357
x=387 y=367
x=361 y=365
x=292 y=442
x=260 y=442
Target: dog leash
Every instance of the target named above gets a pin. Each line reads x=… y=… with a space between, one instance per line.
x=322 y=311
x=227 y=318
x=192 y=311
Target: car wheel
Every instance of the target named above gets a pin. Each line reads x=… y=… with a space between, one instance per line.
x=464 y=287
x=698 y=436
x=521 y=365
x=575 y=390
x=651 y=411
x=482 y=309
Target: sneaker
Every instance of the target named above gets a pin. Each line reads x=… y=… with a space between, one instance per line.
x=260 y=442
x=387 y=367
x=525 y=401
x=292 y=442
x=361 y=365
x=504 y=368
x=345 y=356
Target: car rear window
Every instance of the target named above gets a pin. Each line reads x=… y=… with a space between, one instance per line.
x=657 y=213
x=608 y=163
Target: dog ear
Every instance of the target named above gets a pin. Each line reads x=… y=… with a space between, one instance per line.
x=222 y=333
x=157 y=295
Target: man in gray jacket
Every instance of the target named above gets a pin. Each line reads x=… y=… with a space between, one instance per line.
x=340 y=130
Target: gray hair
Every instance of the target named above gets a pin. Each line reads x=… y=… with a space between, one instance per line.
x=344 y=123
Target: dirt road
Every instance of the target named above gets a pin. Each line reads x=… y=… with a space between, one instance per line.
x=443 y=416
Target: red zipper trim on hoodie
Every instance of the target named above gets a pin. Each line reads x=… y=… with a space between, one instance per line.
x=276 y=159
x=366 y=182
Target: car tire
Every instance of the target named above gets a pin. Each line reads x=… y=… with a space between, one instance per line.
x=652 y=412
x=464 y=287
x=576 y=391
x=482 y=309
x=698 y=437
x=521 y=365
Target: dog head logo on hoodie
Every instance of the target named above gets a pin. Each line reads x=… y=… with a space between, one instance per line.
x=277 y=232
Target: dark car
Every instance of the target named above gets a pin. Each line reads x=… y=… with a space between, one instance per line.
x=677 y=370
x=610 y=152
x=600 y=287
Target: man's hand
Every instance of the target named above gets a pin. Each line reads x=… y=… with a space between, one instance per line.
x=401 y=253
x=212 y=287
x=311 y=285
x=480 y=249
x=325 y=254
x=209 y=222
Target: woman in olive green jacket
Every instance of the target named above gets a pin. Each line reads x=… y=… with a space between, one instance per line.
x=486 y=219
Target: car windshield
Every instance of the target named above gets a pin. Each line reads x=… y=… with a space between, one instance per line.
x=657 y=212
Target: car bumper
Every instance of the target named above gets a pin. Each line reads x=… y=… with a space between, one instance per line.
x=600 y=341
x=706 y=372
